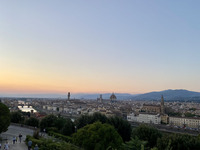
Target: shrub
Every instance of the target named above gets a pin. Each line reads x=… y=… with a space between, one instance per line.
x=48 y=144
x=60 y=136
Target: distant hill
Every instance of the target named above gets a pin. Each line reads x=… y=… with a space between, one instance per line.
x=120 y=96
x=169 y=95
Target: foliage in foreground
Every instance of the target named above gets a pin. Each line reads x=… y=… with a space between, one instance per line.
x=60 y=136
x=123 y=127
x=34 y=122
x=147 y=133
x=134 y=144
x=97 y=136
x=149 y=138
x=17 y=117
x=57 y=124
x=179 y=142
x=4 y=117
x=48 y=144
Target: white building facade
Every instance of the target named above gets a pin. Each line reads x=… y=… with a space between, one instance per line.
x=185 y=122
x=145 y=118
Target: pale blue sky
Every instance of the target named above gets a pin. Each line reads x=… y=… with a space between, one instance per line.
x=99 y=46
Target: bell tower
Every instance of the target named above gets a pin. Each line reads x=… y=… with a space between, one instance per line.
x=68 y=95
x=162 y=106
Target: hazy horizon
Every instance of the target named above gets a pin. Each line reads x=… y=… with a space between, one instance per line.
x=99 y=46
x=73 y=95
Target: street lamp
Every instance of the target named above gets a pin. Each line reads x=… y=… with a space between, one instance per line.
x=75 y=129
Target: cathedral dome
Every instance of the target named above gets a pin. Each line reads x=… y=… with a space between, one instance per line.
x=113 y=97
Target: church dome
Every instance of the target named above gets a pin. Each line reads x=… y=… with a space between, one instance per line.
x=113 y=97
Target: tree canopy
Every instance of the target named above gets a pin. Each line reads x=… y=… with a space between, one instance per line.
x=17 y=117
x=68 y=128
x=123 y=127
x=4 y=117
x=178 y=142
x=48 y=121
x=97 y=136
x=32 y=122
x=147 y=133
x=58 y=124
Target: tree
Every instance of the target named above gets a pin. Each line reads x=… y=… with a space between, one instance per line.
x=17 y=117
x=48 y=121
x=4 y=117
x=178 y=142
x=68 y=128
x=99 y=117
x=82 y=121
x=147 y=133
x=187 y=114
x=60 y=122
x=134 y=144
x=89 y=119
x=34 y=122
x=97 y=136
x=123 y=127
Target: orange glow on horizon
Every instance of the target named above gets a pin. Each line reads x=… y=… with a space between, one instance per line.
x=26 y=82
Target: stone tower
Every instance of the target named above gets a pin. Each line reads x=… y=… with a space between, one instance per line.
x=162 y=106
x=68 y=95
x=101 y=99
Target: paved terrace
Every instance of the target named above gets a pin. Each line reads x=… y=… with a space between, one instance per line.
x=15 y=131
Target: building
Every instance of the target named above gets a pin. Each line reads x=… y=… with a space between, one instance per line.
x=100 y=99
x=154 y=114
x=113 y=98
x=68 y=96
x=149 y=108
x=185 y=122
x=164 y=119
x=145 y=118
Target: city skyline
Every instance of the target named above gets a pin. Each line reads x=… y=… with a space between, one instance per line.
x=99 y=47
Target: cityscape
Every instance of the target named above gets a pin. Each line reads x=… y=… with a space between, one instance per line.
x=99 y=75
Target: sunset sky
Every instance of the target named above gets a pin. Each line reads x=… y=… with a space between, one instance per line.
x=101 y=46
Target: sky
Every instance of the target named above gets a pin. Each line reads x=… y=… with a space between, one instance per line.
x=102 y=46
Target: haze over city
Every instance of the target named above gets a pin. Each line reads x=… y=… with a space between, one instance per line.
x=99 y=46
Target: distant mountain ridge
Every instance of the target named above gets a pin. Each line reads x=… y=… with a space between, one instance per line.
x=179 y=94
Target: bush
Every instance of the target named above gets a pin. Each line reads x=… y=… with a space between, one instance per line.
x=34 y=122
x=60 y=136
x=54 y=129
x=178 y=142
x=48 y=121
x=97 y=136
x=47 y=144
x=123 y=127
x=36 y=134
x=34 y=141
x=68 y=128
x=17 y=117
x=147 y=133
